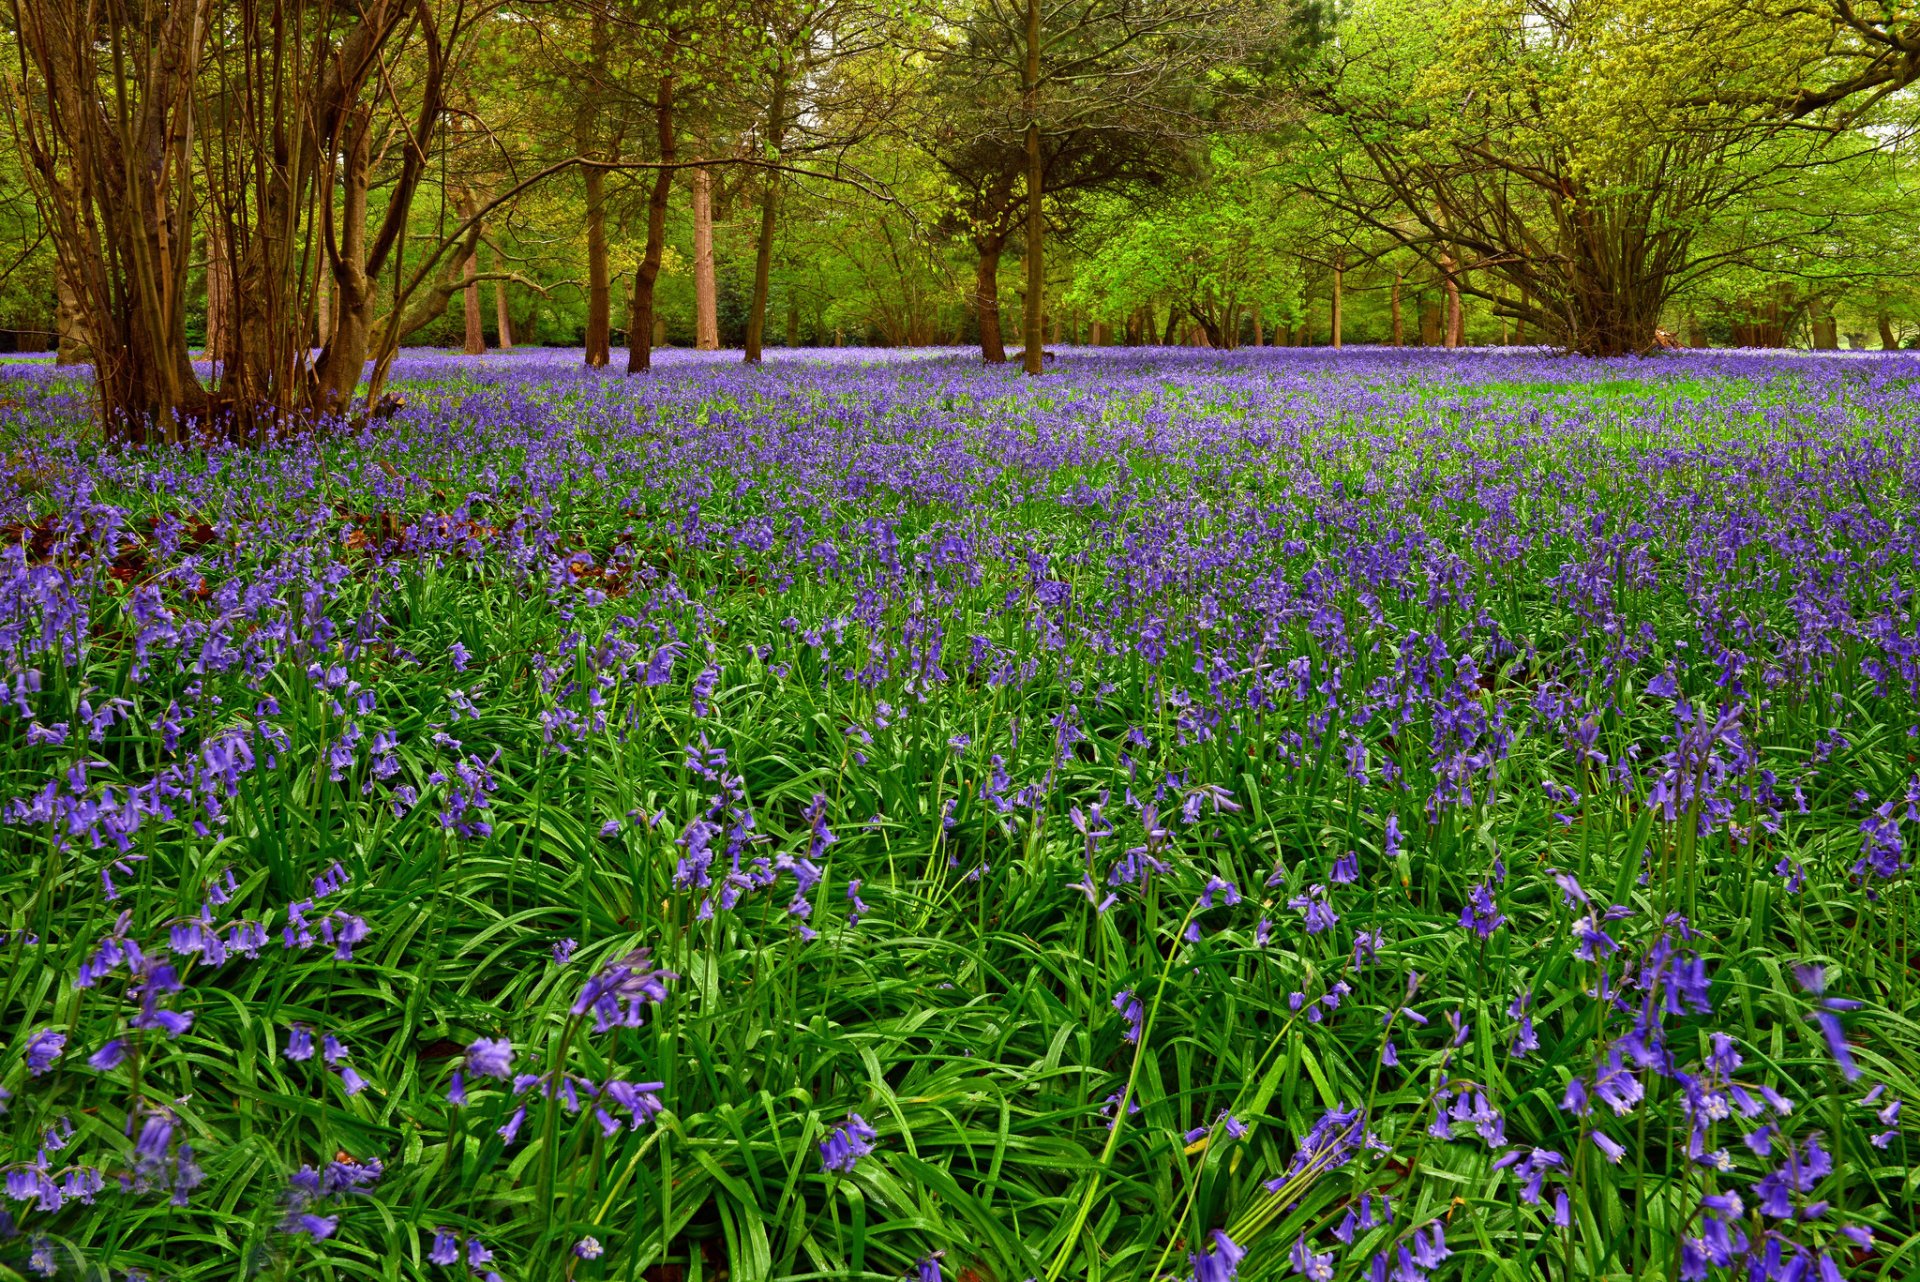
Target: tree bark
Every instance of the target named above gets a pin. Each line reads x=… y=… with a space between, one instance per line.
x=769 y=207
x=986 y=298
x=1399 y=329
x=1173 y=324
x=599 y=337
x=1888 y=341
x=706 y=306
x=1453 y=323
x=70 y=336
x=640 y=325
x=1036 y=300
x=502 y=317
x=219 y=291
x=1339 y=272
x=1826 y=329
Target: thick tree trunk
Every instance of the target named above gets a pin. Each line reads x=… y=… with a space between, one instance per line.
x=1399 y=329
x=1432 y=322
x=986 y=298
x=640 y=327
x=70 y=341
x=1888 y=342
x=219 y=291
x=350 y=323
x=1826 y=329
x=1173 y=324
x=706 y=304
x=1036 y=301
x=769 y=208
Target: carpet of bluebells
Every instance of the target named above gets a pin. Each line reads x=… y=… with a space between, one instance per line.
x=1385 y=815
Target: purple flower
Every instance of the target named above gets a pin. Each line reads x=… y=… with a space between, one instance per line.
x=1220 y=1262
x=299 y=1043
x=848 y=1142
x=617 y=993
x=588 y=1248
x=1309 y=1265
x=43 y=1048
x=491 y=1057
x=1128 y=1005
x=1315 y=912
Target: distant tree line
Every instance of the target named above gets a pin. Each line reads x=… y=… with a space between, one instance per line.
x=239 y=211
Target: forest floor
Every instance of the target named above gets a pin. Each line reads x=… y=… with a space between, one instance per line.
x=1380 y=814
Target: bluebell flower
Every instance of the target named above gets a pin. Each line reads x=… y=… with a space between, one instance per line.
x=43 y=1048
x=1219 y=1262
x=848 y=1142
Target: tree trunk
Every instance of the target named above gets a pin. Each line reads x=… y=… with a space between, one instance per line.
x=640 y=326
x=1888 y=342
x=1453 y=302
x=1399 y=329
x=793 y=319
x=350 y=327
x=1339 y=272
x=70 y=340
x=706 y=306
x=599 y=331
x=599 y=338
x=769 y=207
x=1173 y=325
x=322 y=306
x=1432 y=322
x=1036 y=301
x=986 y=298
x=219 y=291
x=502 y=318
x=476 y=336
x=1826 y=329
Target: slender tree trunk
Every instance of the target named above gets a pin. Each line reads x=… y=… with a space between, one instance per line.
x=1339 y=272
x=599 y=288
x=793 y=319
x=640 y=335
x=1259 y=329
x=1173 y=325
x=599 y=335
x=1888 y=342
x=1453 y=305
x=986 y=299
x=502 y=318
x=706 y=306
x=1399 y=328
x=769 y=208
x=1036 y=194
x=476 y=335
x=323 y=306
